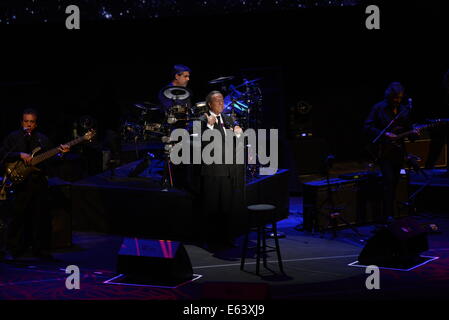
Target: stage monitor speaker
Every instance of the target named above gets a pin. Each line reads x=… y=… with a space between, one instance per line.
x=162 y=262
x=398 y=245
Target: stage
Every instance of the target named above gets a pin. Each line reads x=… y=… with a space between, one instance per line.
x=317 y=268
x=110 y=206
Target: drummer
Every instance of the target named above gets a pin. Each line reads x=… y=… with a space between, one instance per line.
x=180 y=78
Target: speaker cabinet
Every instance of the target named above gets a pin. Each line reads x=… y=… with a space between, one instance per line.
x=159 y=261
x=421 y=149
x=399 y=245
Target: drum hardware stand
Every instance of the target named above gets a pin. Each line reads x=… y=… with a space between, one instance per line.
x=145 y=163
x=167 y=176
x=113 y=164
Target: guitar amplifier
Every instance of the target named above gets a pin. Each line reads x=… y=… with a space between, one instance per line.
x=357 y=201
x=420 y=148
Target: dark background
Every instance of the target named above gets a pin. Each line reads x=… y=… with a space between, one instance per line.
x=324 y=56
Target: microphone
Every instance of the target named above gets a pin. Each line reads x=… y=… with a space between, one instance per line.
x=27 y=131
x=410 y=105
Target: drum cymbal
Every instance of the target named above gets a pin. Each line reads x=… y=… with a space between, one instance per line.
x=221 y=79
x=250 y=82
x=176 y=93
x=147 y=106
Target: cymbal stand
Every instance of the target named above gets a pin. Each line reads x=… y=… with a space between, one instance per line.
x=167 y=175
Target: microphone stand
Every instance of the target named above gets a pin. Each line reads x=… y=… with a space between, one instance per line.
x=384 y=130
x=388 y=126
x=410 y=202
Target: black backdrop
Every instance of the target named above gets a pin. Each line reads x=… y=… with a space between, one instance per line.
x=324 y=56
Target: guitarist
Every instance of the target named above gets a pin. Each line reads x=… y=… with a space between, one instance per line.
x=30 y=223
x=390 y=150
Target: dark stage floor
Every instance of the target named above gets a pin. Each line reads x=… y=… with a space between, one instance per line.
x=316 y=268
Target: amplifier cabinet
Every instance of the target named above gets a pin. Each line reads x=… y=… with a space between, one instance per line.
x=421 y=149
x=357 y=202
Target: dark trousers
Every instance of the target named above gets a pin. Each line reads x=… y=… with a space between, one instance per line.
x=223 y=207
x=391 y=172
x=30 y=223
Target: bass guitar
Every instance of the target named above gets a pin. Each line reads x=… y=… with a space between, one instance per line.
x=16 y=172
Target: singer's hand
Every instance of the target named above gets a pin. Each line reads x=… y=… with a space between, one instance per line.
x=391 y=135
x=64 y=148
x=211 y=119
x=26 y=157
x=238 y=130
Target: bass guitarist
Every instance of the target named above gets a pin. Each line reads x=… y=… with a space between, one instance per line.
x=30 y=223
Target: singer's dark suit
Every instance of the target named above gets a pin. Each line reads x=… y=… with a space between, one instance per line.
x=30 y=220
x=222 y=193
x=390 y=156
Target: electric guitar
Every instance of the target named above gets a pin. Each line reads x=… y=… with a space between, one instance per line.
x=18 y=171
x=376 y=150
x=419 y=128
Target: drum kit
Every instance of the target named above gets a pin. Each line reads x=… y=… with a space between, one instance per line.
x=143 y=127
x=242 y=102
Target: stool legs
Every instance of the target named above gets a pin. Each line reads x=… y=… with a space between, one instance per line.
x=264 y=247
x=261 y=248
x=278 y=250
x=258 y=249
x=245 y=250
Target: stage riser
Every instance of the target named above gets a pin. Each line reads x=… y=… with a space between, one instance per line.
x=113 y=208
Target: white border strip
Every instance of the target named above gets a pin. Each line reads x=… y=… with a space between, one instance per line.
x=354 y=264
x=110 y=281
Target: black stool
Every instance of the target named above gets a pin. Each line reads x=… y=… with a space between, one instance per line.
x=258 y=216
